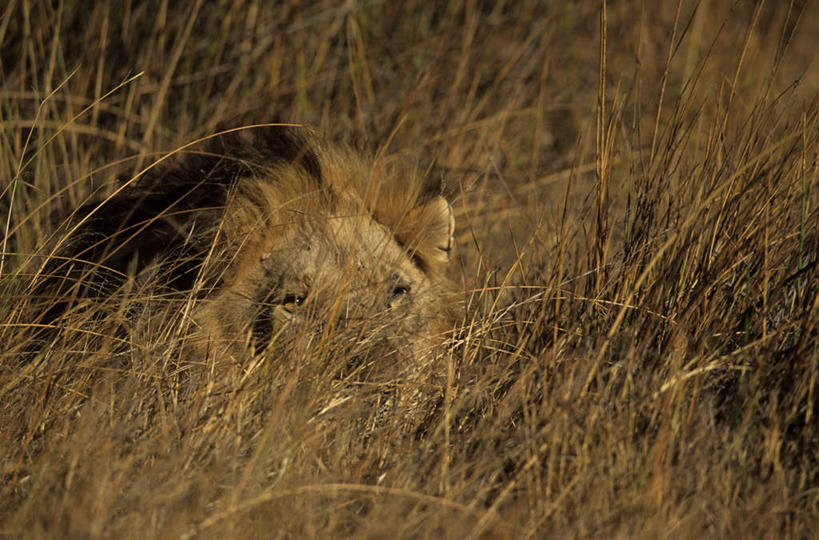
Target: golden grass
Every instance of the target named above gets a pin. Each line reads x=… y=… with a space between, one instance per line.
x=637 y=234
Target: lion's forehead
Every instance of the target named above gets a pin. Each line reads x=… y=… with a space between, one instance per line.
x=355 y=246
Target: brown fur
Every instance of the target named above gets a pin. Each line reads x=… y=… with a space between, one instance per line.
x=279 y=237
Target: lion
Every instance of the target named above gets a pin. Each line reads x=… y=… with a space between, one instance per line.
x=275 y=236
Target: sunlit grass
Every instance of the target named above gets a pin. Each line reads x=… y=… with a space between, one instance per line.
x=637 y=243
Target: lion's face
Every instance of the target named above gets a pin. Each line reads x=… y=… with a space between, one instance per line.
x=341 y=276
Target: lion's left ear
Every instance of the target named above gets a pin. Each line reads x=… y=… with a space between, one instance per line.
x=439 y=221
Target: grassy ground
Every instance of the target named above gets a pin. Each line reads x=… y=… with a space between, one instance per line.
x=637 y=229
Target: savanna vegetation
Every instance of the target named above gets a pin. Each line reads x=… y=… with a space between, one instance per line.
x=637 y=198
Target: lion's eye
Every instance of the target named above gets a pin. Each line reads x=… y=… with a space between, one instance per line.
x=399 y=291
x=292 y=301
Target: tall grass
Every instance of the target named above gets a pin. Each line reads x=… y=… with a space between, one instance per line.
x=637 y=239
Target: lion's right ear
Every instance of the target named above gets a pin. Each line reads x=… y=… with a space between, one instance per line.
x=443 y=229
x=435 y=223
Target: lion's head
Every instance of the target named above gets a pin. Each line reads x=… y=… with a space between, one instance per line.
x=279 y=239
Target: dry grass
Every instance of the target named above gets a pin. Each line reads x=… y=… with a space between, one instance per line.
x=640 y=347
